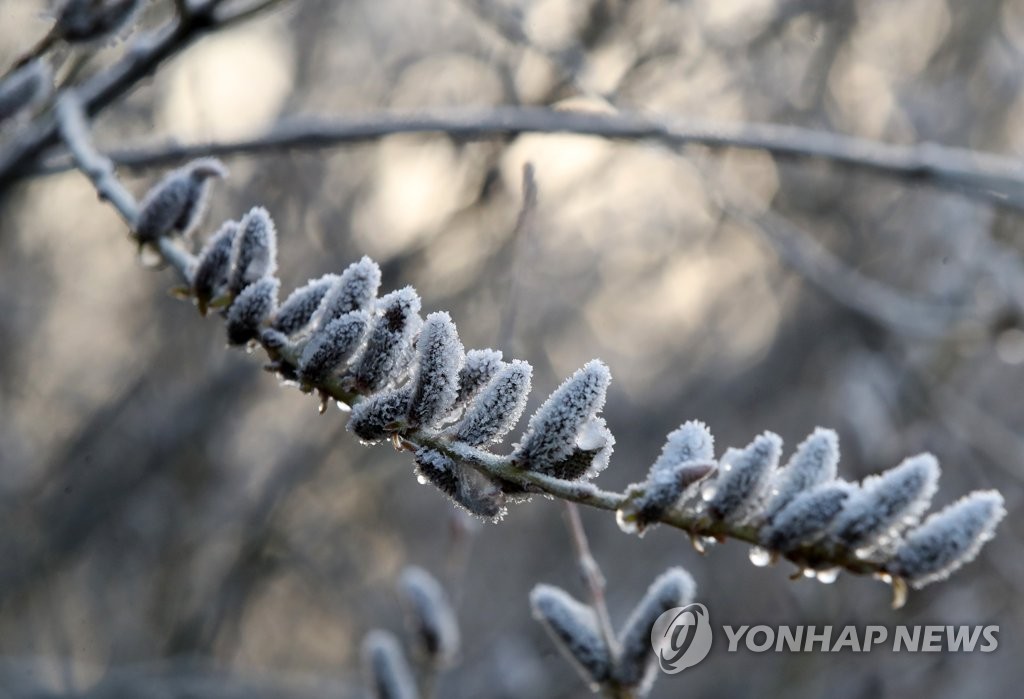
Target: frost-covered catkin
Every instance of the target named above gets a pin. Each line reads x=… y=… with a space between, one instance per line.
x=24 y=88
x=692 y=441
x=635 y=664
x=297 y=310
x=807 y=517
x=662 y=490
x=353 y=290
x=252 y=307
x=390 y=337
x=497 y=408
x=331 y=346
x=373 y=418
x=429 y=615
x=435 y=383
x=480 y=365
x=210 y=277
x=91 y=20
x=742 y=476
x=176 y=203
x=387 y=670
x=567 y=415
x=887 y=503
x=467 y=488
x=814 y=462
x=948 y=539
x=575 y=630
x=254 y=252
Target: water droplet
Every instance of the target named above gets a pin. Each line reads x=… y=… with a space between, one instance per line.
x=422 y=480
x=810 y=573
x=707 y=491
x=626 y=524
x=760 y=556
x=726 y=467
x=884 y=577
x=343 y=406
x=828 y=576
x=863 y=552
x=708 y=541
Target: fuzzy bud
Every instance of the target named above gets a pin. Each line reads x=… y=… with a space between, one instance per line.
x=429 y=615
x=661 y=491
x=948 y=539
x=213 y=265
x=252 y=307
x=887 y=503
x=814 y=462
x=497 y=408
x=390 y=338
x=331 y=346
x=551 y=436
x=742 y=475
x=376 y=417
x=673 y=588
x=254 y=252
x=476 y=371
x=806 y=518
x=467 y=488
x=575 y=630
x=387 y=670
x=691 y=442
x=298 y=309
x=176 y=203
x=435 y=384
x=353 y=290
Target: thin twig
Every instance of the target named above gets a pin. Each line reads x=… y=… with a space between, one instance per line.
x=593 y=578
x=988 y=176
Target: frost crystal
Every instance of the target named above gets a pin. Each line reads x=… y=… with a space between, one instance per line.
x=254 y=252
x=806 y=517
x=550 y=439
x=742 y=475
x=213 y=265
x=435 y=384
x=692 y=441
x=948 y=539
x=467 y=488
x=662 y=490
x=890 y=501
x=387 y=670
x=635 y=666
x=394 y=326
x=497 y=408
x=331 y=346
x=354 y=290
x=479 y=367
x=429 y=615
x=24 y=87
x=253 y=306
x=89 y=20
x=814 y=462
x=374 y=418
x=298 y=309
x=177 y=202
x=575 y=630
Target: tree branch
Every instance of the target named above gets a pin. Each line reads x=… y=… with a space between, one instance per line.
x=988 y=176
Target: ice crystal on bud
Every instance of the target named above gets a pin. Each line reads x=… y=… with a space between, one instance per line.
x=948 y=539
x=742 y=475
x=90 y=20
x=435 y=383
x=176 y=203
x=387 y=670
x=574 y=628
x=467 y=488
x=664 y=486
x=331 y=346
x=477 y=370
x=888 y=501
x=429 y=615
x=551 y=436
x=692 y=441
x=805 y=518
x=213 y=265
x=297 y=310
x=636 y=662
x=394 y=325
x=353 y=290
x=497 y=408
x=254 y=252
x=374 y=418
x=24 y=87
x=814 y=462
x=252 y=307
